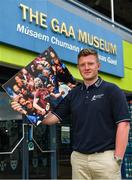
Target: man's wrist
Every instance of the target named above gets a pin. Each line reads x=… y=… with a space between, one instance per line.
x=118 y=159
x=24 y=112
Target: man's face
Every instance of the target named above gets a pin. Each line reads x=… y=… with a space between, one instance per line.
x=39 y=67
x=29 y=105
x=45 y=72
x=23 y=91
x=38 y=82
x=24 y=71
x=52 y=54
x=16 y=89
x=56 y=60
x=50 y=88
x=88 y=67
x=59 y=69
x=22 y=101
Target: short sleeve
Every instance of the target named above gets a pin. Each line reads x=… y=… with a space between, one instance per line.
x=63 y=108
x=119 y=105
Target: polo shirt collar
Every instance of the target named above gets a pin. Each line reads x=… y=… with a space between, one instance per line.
x=96 y=84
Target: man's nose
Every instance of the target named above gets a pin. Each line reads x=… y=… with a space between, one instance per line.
x=86 y=66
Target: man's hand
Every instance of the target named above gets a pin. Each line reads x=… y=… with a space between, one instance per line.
x=17 y=107
x=43 y=111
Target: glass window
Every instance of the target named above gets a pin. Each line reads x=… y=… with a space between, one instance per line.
x=122 y=10
x=64 y=148
x=10 y=136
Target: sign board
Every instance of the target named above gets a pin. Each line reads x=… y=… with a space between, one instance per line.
x=36 y=25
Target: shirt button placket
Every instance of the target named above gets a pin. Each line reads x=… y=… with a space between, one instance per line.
x=87 y=94
x=86 y=97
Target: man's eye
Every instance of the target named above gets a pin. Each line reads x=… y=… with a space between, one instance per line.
x=82 y=65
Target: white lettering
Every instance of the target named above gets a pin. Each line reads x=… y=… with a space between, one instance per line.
x=102 y=58
x=66 y=45
x=29 y=32
x=112 y=61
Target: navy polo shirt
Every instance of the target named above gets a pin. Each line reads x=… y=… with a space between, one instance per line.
x=96 y=111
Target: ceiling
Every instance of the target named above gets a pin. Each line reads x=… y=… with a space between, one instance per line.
x=122 y=10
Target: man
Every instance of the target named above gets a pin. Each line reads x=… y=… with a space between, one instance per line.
x=41 y=93
x=100 y=122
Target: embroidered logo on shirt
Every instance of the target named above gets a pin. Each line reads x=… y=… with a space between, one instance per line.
x=99 y=96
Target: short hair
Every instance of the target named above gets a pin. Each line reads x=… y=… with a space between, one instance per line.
x=87 y=52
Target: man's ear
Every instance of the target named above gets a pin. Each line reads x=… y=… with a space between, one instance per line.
x=99 y=65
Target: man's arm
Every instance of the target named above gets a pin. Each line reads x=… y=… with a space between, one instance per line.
x=50 y=119
x=121 y=138
x=17 y=107
x=36 y=106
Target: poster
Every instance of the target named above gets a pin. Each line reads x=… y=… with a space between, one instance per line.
x=41 y=85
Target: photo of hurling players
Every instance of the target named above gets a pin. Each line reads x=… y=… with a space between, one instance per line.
x=41 y=85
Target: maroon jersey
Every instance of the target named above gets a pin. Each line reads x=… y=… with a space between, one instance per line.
x=43 y=94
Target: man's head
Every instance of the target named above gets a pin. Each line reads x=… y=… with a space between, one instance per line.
x=24 y=71
x=88 y=64
x=22 y=101
x=29 y=104
x=38 y=83
x=45 y=72
x=16 y=89
x=19 y=81
x=50 y=87
x=87 y=52
x=39 y=67
x=52 y=54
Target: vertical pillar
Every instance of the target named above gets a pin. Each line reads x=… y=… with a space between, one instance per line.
x=25 y=154
x=53 y=154
x=112 y=11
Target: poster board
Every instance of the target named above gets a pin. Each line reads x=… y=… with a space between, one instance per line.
x=41 y=85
